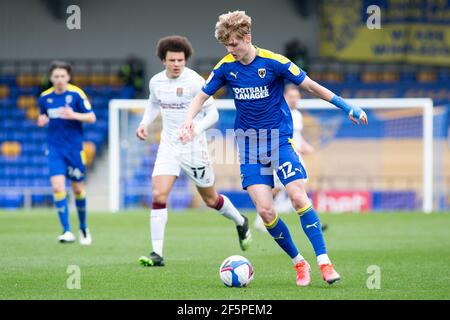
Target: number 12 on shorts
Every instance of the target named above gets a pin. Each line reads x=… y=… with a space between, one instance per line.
x=286 y=168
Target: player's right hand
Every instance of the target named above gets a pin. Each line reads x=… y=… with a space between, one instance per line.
x=357 y=114
x=142 y=132
x=186 y=132
x=42 y=120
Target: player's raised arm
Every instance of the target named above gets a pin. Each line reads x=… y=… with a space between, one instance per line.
x=187 y=130
x=354 y=113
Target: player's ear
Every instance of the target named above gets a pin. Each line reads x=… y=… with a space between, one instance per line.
x=248 y=38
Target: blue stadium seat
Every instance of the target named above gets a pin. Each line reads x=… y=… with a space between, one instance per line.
x=8 y=79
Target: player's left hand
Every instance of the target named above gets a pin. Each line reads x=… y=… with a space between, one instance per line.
x=357 y=114
x=67 y=113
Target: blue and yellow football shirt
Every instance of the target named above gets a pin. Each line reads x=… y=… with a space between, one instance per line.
x=258 y=90
x=62 y=133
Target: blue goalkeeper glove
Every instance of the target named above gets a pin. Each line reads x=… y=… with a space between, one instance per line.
x=354 y=113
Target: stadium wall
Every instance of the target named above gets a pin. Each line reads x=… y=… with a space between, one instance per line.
x=115 y=28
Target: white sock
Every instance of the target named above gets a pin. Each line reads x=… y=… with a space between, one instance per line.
x=297 y=259
x=229 y=211
x=323 y=259
x=158 y=220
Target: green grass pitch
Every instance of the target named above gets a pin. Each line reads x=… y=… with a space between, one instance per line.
x=412 y=251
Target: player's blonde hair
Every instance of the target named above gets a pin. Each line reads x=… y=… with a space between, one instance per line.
x=235 y=23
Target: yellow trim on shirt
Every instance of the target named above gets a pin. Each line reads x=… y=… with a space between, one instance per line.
x=48 y=91
x=263 y=53
x=227 y=59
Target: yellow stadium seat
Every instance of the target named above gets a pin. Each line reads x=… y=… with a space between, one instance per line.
x=32 y=113
x=25 y=80
x=369 y=76
x=25 y=102
x=99 y=80
x=11 y=148
x=390 y=76
x=333 y=76
x=426 y=76
x=318 y=76
x=81 y=80
x=89 y=151
x=4 y=91
x=115 y=80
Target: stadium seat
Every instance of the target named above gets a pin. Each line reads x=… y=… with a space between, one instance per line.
x=99 y=80
x=81 y=80
x=25 y=102
x=32 y=113
x=4 y=91
x=115 y=81
x=8 y=79
x=426 y=76
x=370 y=77
x=11 y=148
x=29 y=80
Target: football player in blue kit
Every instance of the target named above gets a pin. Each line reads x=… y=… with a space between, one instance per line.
x=64 y=107
x=263 y=129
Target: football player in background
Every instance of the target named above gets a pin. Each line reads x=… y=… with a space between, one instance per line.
x=64 y=107
x=171 y=92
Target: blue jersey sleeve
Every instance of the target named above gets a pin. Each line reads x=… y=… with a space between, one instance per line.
x=41 y=104
x=215 y=81
x=83 y=105
x=290 y=71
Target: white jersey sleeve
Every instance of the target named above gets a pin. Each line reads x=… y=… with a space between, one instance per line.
x=209 y=111
x=152 y=109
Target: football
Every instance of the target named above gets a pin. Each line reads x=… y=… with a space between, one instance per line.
x=236 y=271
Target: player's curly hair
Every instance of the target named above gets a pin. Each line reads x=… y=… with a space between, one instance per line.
x=58 y=64
x=235 y=23
x=174 y=44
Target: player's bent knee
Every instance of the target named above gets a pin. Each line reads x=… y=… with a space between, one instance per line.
x=266 y=213
x=159 y=197
x=57 y=188
x=78 y=189
x=299 y=200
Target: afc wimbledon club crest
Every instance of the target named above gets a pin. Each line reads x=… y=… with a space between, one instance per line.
x=262 y=72
x=68 y=99
x=179 y=92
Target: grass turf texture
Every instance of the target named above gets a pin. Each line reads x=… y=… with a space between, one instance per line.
x=411 y=249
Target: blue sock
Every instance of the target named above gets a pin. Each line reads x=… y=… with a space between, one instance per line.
x=280 y=233
x=62 y=207
x=80 y=202
x=313 y=229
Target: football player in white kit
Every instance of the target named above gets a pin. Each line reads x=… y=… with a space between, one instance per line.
x=171 y=92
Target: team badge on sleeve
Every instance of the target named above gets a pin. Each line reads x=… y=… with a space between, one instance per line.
x=262 y=72
x=294 y=69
